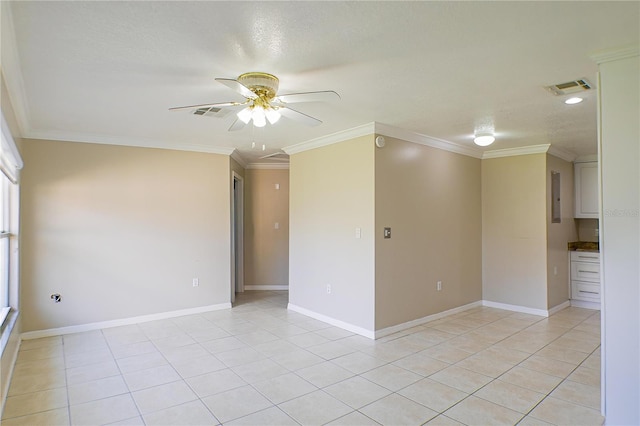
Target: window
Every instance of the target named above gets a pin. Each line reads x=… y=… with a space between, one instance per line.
x=10 y=165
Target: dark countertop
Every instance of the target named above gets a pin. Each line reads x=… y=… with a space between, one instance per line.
x=584 y=246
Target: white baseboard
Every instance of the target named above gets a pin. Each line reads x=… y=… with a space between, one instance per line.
x=559 y=307
x=335 y=322
x=586 y=305
x=266 y=287
x=416 y=322
x=120 y=322
x=515 y=308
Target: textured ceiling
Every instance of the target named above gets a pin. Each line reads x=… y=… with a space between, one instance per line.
x=108 y=71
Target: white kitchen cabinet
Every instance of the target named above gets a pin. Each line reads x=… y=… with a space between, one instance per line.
x=586 y=190
x=585 y=276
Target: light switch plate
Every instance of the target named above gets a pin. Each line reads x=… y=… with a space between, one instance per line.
x=387 y=233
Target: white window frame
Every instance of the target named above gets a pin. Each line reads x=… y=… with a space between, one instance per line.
x=10 y=165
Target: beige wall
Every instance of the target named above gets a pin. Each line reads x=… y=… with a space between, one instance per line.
x=121 y=232
x=514 y=246
x=266 y=249
x=332 y=194
x=559 y=234
x=431 y=200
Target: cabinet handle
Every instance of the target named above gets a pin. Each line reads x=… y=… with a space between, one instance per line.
x=588 y=272
x=588 y=257
x=590 y=292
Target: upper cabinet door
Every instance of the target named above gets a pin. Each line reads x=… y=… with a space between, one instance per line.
x=586 y=183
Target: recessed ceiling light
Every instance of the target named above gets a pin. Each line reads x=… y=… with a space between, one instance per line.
x=572 y=101
x=484 y=139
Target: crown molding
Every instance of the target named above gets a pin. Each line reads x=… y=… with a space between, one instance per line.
x=365 y=129
x=562 y=154
x=591 y=158
x=421 y=139
x=268 y=166
x=609 y=55
x=11 y=69
x=511 y=152
x=123 y=141
x=239 y=159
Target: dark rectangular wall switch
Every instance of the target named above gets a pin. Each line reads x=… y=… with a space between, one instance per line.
x=387 y=233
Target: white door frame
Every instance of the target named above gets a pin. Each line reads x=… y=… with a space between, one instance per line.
x=237 y=234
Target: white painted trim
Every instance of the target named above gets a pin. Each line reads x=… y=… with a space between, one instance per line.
x=120 y=322
x=365 y=129
x=609 y=55
x=585 y=304
x=409 y=136
x=238 y=157
x=409 y=324
x=559 y=307
x=562 y=154
x=12 y=70
x=332 y=321
x=12 y=366
x=124 y=141
x=592 y=158
x=268 y=166
x=266 y=287
x=511 y=152
x=515 y=308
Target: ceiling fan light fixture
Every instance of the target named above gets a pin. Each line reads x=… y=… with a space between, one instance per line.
x=272 y=115
x=259 y=119
x=245 y=115
x=484 y=139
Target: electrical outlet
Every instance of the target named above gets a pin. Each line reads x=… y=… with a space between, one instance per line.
x=328 y=288
x=439 y=285
x=196 y=282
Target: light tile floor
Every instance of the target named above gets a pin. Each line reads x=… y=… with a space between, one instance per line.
x=260 y=364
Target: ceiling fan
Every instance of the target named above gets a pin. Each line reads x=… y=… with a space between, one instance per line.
x=262 y=103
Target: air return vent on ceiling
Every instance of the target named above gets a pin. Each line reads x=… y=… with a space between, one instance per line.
x=570 y=87
x=203 y=111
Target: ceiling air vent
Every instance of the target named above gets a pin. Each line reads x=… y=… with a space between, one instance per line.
x=206 y=111
x=570 y=87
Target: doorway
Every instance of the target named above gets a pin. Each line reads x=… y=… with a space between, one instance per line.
x=237 y=245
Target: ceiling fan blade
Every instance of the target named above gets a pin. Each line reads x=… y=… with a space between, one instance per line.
x=324 y=96
x=275 y=154
x=299 y=117
x=238 y=87
x=237 y=125
x=217 y=105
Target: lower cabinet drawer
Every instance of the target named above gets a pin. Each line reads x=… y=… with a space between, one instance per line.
x=585 y=291
x=585 y=271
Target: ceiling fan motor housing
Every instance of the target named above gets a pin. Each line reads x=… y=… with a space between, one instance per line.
x=262 y=84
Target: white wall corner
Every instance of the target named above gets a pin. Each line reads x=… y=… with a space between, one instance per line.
x=363 y=130
x=120 y=322
x=512 y=152
x=332 y=321
x=515 y=308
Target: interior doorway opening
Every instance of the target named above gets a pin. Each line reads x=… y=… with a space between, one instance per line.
x=237 y=235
